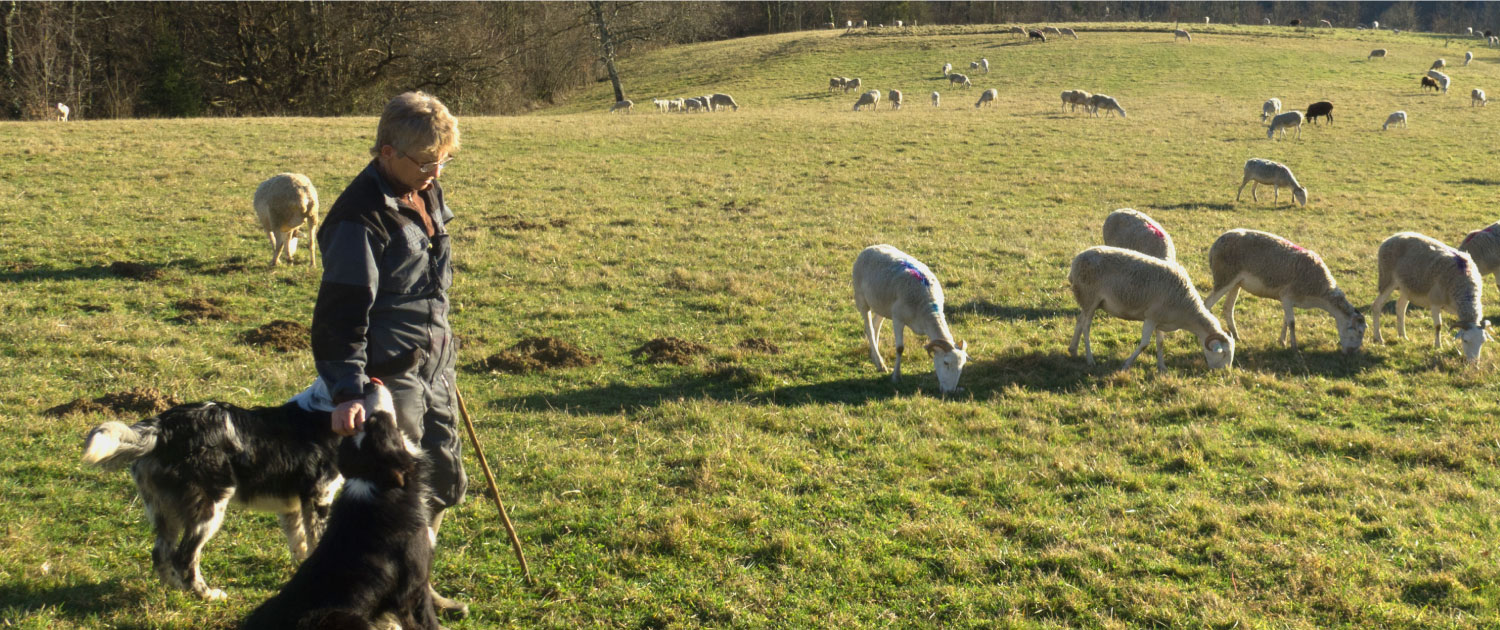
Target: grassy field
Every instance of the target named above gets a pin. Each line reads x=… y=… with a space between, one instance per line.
x=801 y=489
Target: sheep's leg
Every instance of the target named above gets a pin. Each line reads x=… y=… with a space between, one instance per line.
x=1161 y=351
x=282 y=241
x=1375 y=310
x=1241 y=191
x=1081 y=330
x=1147 y=329
x=1288 y=324
x=872 y=337
x=312 y=239
x=1275 y=193
x=1401 y=316
x=1230 y=298
x=900 y=328
x=1437 y=326
x=1253 y=187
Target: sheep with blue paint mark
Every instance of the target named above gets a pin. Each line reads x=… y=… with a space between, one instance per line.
x=889 y=284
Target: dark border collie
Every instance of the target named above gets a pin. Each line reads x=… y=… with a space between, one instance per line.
x=375 y=559
x=190 y=461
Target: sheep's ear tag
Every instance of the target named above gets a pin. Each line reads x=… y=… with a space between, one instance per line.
x=934 y=307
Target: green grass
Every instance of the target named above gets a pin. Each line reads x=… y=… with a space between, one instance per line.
x=802 y=489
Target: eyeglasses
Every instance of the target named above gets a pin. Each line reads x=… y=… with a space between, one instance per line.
x=430 y=166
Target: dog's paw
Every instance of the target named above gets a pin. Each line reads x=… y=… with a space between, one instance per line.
x=213 y=594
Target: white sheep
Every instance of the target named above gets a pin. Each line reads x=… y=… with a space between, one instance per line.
x=947 y=69
x=895 y=97
x=723 y=100
x=1431 y=274
x=1476 y=97
x=1274 y=173
x=959 y=79
x=1179 y=34
x=1378 y=52
x=1269 y=266
x=1442 y=79
x=1130 y=229
x=936 y=99
x=988 y=97
x=1468 y=56
x=1205 y=19
x=1268 y=21
x=1069 y=32
x=1375 y=25
x=892 y=285
x=1484 y=247
x=693 y=104
x=973 y=65
x=1284 y=120
x=1398 y=117
x=1106 y=103
x=984 y=64
x=867 y=99
x=1052 y=29
x=1270 y=108
x=1016 y=30
x=1133 y=286
x=851 y=84
x=1072 y=99
x=1325 y=23
x=60 y=111
x=661 y=105
x=836 y=83
x=284 y=205
x=1438 y=64
x=626 y=105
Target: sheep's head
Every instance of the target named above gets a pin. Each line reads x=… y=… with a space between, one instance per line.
x=1352 y=333
x=1300 y=194
x=1472 y=340
x=1218 y=349
x=948 y=362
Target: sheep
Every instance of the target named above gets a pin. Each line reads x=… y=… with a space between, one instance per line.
x=1133 y=286
x=890 y=284
x=973 y=65
x=1378 y=52
x=1016 y=30
x=1431 y=274
x=1494 y=40
x=1484 y=247
x=851 y=84
x=60 y=111
x=625 y=105
x=1205 y=19
x=1269 y=266
x=864 y=24
x=1106 y=103
x=1325 y=23
x=1427 y=82
x=899 y=24
x=1281 y=121
x=836 y=83
x=1274 y=173
x=661 y=105
x=1468 y=56
x=936 y=100
x=694 y=104
x=959 y=79
x=987 y=98
x=895 y=96
x=1320 y=108
x=868 y=98
x=1268 y=21
x=1442 y=79
x=984 y=64
x=1375 y=25
x=947 y=69
x=1074 y=98
x=1035 y=34
x=1179 y=34
x=284 y=205
x=1395 y=118
x=1438 y=64
x=1051 y=30
x=1477 y=98
x=723 y=100
x=1295 y=23
x=829 y=25
x=1270 y=108
x=1069 y=32
x=1129 y=229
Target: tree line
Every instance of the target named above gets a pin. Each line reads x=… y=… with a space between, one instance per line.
x=318 y=58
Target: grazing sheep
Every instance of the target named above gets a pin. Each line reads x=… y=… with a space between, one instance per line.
x=959 y=79
x=1274 y=173
x=836 y=83
x=895 y=96
x=60 y=111
x=892 y=285
x=1281 y=121
x=1074 y=98
x=1270 y=108
x=1438 y=64
x=1016 y=30
x=864 y=24
x=987 y=98
x=973 y=65
x=1268 y=266
x=851 y=84
x=1325 y=23
x=1375 y=25
x=947 y=69
x=1427 y=82
x=1133 y=286
x=1468 y=56
x=1477 y=98
x=1051 y=30
x=1431 y=274
x=723 y=100
x=1268 y=21
x=694 y=104
x=1205 y=19
x=984 y=64
x=1129 y=229
x=1494 y=40
x=1394 y=118
x=1295 y=23
x=1106 y=103
x=1484 y=247
x=1320 y=108
x=1035 y=34
x=626 y=105
x=661 y=105
x=1442 y=79
x=867 y=99
x=1378 y=52
x=1069 y=32
x=1179 y=34
x=936 y=100
x=284 y=205
x=899 y=24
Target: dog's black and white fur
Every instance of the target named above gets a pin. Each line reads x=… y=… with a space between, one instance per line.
x=191 y=461
x=375 y=559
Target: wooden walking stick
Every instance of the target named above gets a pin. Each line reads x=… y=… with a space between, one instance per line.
x=489 y=477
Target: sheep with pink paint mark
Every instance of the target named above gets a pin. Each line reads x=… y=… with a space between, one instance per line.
x=889 y=284
x=1431 y=274
x=1269 y=266
x=1131 y=229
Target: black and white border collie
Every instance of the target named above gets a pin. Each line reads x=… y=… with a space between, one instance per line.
x=191 y=461
x=374 y=561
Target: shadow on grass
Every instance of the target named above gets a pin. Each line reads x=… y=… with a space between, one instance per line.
x=1475 y=181
x=1196 y=206
x=990 y=310
x=621 y=397
x=80 y=602
x=1328 y=361
x=144 y=272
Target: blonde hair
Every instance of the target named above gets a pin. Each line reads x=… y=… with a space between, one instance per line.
x=415 y=122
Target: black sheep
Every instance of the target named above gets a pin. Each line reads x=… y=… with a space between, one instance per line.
x=1320 y=108
x=1427 y=82
x=1295 y=22
x=1037 y=35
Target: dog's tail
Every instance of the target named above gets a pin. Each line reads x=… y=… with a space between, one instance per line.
x=113 y=445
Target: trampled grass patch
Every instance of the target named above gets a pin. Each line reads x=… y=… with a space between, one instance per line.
x=747 y=488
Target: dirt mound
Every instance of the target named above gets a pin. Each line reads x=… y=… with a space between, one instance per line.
x=669 y=350
x=282 y=335
x=134 y=271
x=233 y=264
x=759 y=344
x=196 y=310
x=139 y=401
x=536 y=354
